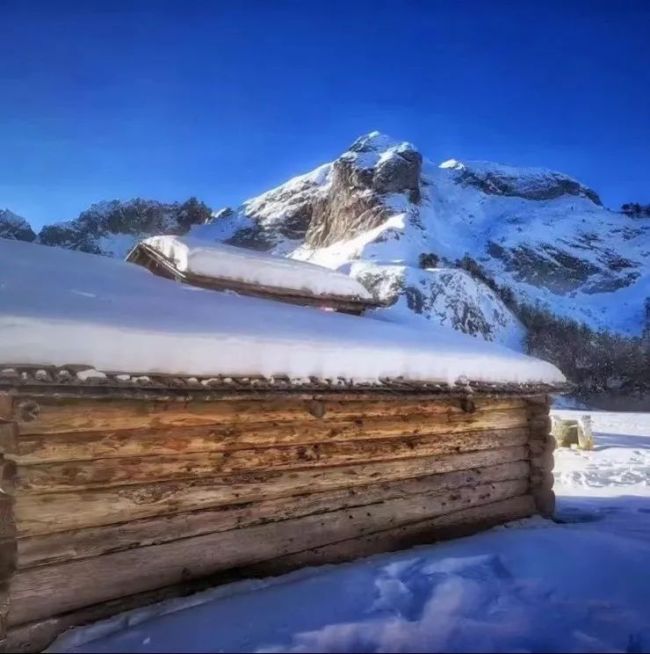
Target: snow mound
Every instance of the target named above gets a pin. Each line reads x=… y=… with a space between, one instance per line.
x=221 y=261
x=62 y=307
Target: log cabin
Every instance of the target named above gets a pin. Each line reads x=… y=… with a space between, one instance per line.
x=156 y=440
x=221 y=267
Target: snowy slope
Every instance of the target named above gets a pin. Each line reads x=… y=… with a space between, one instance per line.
x=556 y=245
x=448 y=297
x=540 y=232
x=580 y=585
x=71 y=308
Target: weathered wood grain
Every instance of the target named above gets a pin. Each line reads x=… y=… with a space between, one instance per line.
x=8 y=440
x=65 y=415
x=71 y=446
x=47 y=513
x=100 y=473
x=48 y=590
x=86 y=543
x=6 y=407
x=4 y=615
x=452 y=525
x=7 y=526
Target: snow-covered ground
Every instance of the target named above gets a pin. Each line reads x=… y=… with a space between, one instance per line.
x=581 y=585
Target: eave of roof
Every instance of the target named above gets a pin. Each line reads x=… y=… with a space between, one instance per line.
x=75 y=380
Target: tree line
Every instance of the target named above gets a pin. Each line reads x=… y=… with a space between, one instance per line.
x=595 y=360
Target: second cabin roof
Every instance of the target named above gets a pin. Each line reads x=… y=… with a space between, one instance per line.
x=64 y=308
x=199 y=258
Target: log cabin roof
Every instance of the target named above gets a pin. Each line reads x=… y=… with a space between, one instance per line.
x=251 y=273
x=66 y=312
x=71 y=380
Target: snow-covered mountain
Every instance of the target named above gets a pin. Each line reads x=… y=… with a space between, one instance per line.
x=401 y=224
x=112 y=228
x=476 y=246
x=14 y=227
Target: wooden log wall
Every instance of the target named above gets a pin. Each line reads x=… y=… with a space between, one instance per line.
x=106 y=500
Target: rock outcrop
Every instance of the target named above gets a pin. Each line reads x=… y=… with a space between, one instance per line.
x=14 y=227
x=112 y=228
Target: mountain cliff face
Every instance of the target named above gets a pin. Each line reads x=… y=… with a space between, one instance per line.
x=14 y=227
x=545 y=237
x=113 y=228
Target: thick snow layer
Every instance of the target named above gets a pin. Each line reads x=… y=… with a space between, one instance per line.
x=578 y=586
x=63 y=307
x=221 y=261
x=448 y=297
x=601 y=256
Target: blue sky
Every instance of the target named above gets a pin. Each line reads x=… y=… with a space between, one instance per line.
x=223 y=100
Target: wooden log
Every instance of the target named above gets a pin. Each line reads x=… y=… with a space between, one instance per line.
x=64 y=415
x=4 y=616
x=8 y=433
x=540 y=426
x=540 y=403
x=452 y=525
x=7 y=526
x=86 y=543
x=544 y=462
x=6 y=407
x=541 y=478
x=58 y=477
x=47 y=513
x=48 y=590
x=542 y=446
x=37 y=635
x=71 y=446
x=8 y=471
x=7 y=558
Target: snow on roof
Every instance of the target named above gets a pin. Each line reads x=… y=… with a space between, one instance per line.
x=60 y=307
x=219 y=261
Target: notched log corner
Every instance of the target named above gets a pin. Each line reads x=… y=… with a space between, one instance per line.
x=467 y=404
x=28 y=411
x=316 y=408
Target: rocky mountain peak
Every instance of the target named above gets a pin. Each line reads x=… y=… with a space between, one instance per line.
x=374 y=166
x=15 y=227
x=374 y=142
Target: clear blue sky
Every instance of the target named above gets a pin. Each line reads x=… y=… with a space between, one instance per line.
x=225 y=99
